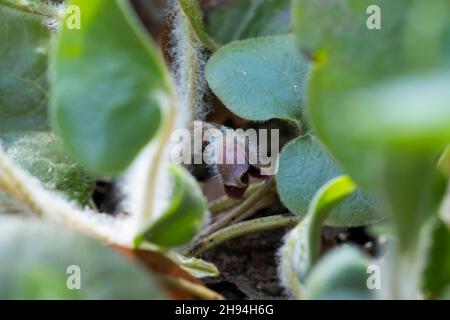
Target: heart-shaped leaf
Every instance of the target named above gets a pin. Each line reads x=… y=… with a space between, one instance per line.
x=183 y=218
x=236 y=20
x=110 y=87
x=260 y=79
x=40 y=261
x=305 y=166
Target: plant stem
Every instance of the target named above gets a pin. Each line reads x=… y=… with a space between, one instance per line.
x=234 y=214
x=157 y=161
x=286 y=273
x=188 y=287
x=223 y=203
x=198 y=268
x=192 y=11
x=240 y=229
x=265 y=202
x=188 y=62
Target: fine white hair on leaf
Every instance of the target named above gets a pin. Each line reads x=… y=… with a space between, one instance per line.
x=52 y=205
x=189 y=60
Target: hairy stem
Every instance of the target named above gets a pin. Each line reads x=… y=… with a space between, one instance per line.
x=189 y=62
x=241 y=209
x=240 y=229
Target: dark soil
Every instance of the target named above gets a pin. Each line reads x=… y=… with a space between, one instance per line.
x=248 y=266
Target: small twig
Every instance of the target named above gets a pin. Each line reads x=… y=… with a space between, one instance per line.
x=265 y=202
x=223 y=203
x=196 y=290
x=241 y=209
x=240 y=229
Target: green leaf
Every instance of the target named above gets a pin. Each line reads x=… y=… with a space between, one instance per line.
x=260 y=79
x=305 y=166
x=109 y=88
x=45 y=158
x=242 y=19
x=436 y=273
x=379 y=103
x=184 y=217
x=388 y=137
x=327 y=197
x=36 y=257
x=351 y=61
x=24 y=126
x=192 y=11
x=354 y=54
x=302 y=247
x=406 y=113
x=23 y=66
x=340 y=275
x=386 y=131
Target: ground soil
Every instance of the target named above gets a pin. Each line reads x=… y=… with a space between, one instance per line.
x=248 y=266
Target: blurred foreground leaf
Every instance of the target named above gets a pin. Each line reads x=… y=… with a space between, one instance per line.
x=340 y=275
x=37 y=259
x=436 y=274
x=109 y=88
x=24 y=128
x=183 y=218
x=302 y=247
